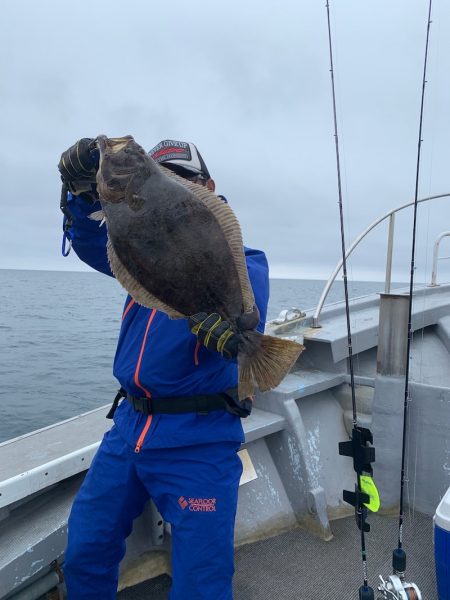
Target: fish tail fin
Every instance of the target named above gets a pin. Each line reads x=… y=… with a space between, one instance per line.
x=264 y=361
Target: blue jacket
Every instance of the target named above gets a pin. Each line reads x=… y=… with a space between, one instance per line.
x=159 y=357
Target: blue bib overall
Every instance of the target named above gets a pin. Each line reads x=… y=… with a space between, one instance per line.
x=187 y=463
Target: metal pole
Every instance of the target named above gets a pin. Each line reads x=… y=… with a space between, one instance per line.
x=387 y=283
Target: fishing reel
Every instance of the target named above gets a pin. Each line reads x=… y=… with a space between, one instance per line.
x=394 y=588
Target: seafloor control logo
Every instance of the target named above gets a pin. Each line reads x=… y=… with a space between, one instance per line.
x=198 y=504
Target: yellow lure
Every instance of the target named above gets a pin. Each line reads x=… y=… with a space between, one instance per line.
x=368 y=487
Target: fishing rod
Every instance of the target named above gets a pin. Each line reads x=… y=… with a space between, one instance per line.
x=360 y=446
x=395 y=586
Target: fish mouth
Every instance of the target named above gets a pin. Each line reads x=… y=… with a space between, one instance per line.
x=113 y=145
x=115 y=168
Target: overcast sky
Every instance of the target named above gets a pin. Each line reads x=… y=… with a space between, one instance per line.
x=249 y=84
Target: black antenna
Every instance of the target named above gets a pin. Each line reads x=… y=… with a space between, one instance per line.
x=358 y=448
x=399 y=555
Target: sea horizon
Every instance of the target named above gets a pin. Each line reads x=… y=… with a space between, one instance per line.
x=278 y=277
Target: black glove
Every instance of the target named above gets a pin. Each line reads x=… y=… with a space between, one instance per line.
x=78 y=166
x=215 y=334
x=77 y=162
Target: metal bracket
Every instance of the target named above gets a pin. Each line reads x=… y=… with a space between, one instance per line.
x=363 y=455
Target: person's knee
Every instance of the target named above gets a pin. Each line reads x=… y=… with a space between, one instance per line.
x=88 y=549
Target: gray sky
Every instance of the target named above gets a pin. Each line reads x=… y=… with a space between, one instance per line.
x=249 y=83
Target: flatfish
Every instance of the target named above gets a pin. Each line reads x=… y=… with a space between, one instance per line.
x=177 y=247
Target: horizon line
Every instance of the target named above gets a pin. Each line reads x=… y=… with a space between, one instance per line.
x=363 y=279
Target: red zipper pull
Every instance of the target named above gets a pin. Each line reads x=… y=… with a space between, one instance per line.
x=143 y=434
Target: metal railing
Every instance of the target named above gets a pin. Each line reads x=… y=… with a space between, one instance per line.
x=387 y=285
x=436 y=257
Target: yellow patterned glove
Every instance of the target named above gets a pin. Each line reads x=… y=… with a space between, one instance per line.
x=215 y=334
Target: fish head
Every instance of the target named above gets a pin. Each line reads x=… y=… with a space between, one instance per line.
x=121 y=161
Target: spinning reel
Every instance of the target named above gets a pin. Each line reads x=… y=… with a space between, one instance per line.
x=394 y=588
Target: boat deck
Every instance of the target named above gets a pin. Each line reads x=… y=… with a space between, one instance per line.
x=297 y=564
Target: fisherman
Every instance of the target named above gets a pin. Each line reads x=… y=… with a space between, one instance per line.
x=186 y=461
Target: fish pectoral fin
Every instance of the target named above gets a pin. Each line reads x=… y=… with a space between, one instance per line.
x=98 y=215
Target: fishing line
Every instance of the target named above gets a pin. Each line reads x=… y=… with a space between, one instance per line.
x=341 y=215
x=433 y=110
x=395 y=586
x=399 y=556
x=340 y=117
x=358 y=447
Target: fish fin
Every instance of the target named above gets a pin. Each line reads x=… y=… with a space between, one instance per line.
x=263 y=361
x=231 y=228
x=134 y=288
x=98 y=215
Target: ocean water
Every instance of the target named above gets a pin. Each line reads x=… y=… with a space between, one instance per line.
x=58 y=332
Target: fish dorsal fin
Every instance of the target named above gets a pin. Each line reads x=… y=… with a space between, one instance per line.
x=134 y=288
x=231 y=228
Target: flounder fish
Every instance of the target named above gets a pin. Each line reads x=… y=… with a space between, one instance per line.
x=177 y=247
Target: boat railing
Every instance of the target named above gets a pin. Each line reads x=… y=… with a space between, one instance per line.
x=390 y=244
x=436 y=257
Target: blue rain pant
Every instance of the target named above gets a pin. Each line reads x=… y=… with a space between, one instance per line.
x=195 y=489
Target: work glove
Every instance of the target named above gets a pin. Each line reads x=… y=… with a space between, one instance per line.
x=215 y=334
x=78 y=166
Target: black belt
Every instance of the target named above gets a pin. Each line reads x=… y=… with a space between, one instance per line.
x=201 y=404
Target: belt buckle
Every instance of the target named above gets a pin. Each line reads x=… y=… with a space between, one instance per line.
x=202 y=408
x=143 y=405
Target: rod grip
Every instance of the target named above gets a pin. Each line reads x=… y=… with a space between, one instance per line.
x=399 y=560
x=366 y=593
